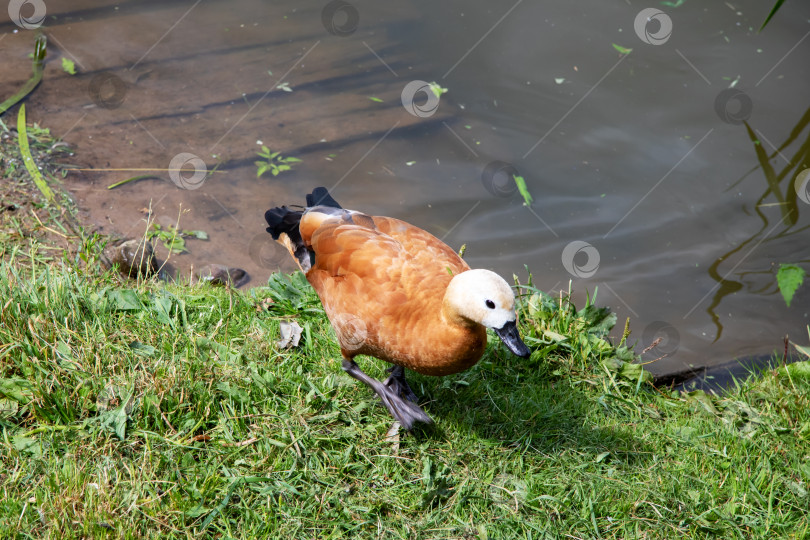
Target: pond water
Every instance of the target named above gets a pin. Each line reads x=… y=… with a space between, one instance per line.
x=664 y=176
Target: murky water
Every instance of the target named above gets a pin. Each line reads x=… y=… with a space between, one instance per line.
x=665 y=176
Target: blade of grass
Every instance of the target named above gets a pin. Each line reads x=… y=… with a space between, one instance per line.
x=28 y=159
x=133 y=179
x=40 y=50
x=775 y=8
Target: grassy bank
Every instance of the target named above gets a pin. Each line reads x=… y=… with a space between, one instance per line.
x=145 y=409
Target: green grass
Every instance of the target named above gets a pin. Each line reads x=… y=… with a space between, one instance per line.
x=145 y=410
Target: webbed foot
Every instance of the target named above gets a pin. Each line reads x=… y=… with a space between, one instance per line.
x=399 y=384
x=404 y=410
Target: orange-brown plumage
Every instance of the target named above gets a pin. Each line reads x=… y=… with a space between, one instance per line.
x=396 y=292
x=392 y=276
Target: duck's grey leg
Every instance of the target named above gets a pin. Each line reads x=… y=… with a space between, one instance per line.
x=399 y=384
x=404 y=411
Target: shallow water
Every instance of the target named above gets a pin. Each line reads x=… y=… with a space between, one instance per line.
x=647 y=159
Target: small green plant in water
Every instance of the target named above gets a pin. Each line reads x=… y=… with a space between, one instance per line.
x=437 y=89
x=68 y=66
x=273 y=162
x=172 y=239
x=524 y=191
x=789 y=278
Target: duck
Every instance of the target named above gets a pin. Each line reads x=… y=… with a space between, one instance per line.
x=394 y=291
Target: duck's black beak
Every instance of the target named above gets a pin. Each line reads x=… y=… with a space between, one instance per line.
x=511 y=338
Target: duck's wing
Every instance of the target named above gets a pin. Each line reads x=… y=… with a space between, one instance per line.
x=419 y=241
x=336 y=235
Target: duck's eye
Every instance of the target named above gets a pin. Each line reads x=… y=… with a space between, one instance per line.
x=490 y=304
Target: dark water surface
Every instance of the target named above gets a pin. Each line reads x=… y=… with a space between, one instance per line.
x=666 y=176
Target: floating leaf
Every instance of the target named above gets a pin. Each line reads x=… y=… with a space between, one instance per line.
x=378 y=100
x=789 y=278
x=524 y=191
x=68 y=66
x=622 y=50
x=437 y=89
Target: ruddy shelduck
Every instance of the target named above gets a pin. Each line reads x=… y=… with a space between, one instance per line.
x=396 y=292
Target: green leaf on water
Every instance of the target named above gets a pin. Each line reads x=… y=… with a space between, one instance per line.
x=378 y=100
x=622 y=50
x=524 y=191
x=68 y=66
x=437 y=89
x=789 y=278
x=675 y=4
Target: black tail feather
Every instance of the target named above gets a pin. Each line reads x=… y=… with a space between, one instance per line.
x=283 y=220
x=320 y=197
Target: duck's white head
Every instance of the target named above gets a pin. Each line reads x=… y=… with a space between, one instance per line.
x=485 y=298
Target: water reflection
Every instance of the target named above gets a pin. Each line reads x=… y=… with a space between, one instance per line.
x=785 y=195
